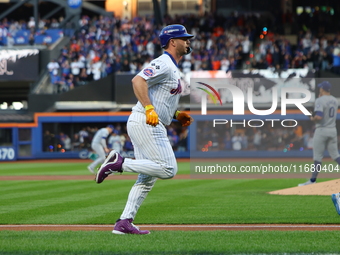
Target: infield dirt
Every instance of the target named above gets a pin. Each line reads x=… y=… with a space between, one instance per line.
x=322 y=188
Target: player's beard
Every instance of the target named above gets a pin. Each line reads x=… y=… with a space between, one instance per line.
x=182 y=51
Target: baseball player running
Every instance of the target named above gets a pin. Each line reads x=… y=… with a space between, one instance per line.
x=157 y=88
x=99 y=146
x=325 y=135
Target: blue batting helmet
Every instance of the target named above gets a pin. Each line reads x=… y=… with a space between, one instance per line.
x=173 y=31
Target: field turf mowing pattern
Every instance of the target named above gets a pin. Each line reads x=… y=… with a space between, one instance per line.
x=170 y=202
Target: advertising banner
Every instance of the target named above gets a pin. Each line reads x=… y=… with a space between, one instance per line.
x=19 y=65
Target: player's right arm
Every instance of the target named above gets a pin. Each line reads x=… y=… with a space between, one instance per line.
x=152 y=75
x=316 y=118
x=140 y=88
x=318 y=111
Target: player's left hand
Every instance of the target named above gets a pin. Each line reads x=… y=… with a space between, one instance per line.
x=184 y=118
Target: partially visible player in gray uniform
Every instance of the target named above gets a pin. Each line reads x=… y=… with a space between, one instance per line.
x=99 y=146
x=325 y=135
x=158 y=89
x=115 y=142
x=336 y=201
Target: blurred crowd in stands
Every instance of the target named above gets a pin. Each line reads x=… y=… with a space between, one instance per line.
x=66 y=140
x=108 y=45
x=105 y=45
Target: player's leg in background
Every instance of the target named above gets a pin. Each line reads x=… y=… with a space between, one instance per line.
x=157 y=157
x=101 y=156
x=320 y=141
x=319 y=146
x=332 y=146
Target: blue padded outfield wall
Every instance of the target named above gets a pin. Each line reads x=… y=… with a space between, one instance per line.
x=25 y=140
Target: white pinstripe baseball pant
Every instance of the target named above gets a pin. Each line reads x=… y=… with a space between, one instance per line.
x=154 y=159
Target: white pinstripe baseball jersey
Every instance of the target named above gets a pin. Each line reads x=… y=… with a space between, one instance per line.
x=163 y=79
x=326 y=106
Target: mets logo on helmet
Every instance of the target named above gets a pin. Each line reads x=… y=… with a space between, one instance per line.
x=149 y=71
x=178 y=90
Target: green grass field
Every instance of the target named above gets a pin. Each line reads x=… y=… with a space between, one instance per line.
x=176 y=201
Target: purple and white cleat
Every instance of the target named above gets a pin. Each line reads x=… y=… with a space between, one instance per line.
x=126 y=226
x=112 y=164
